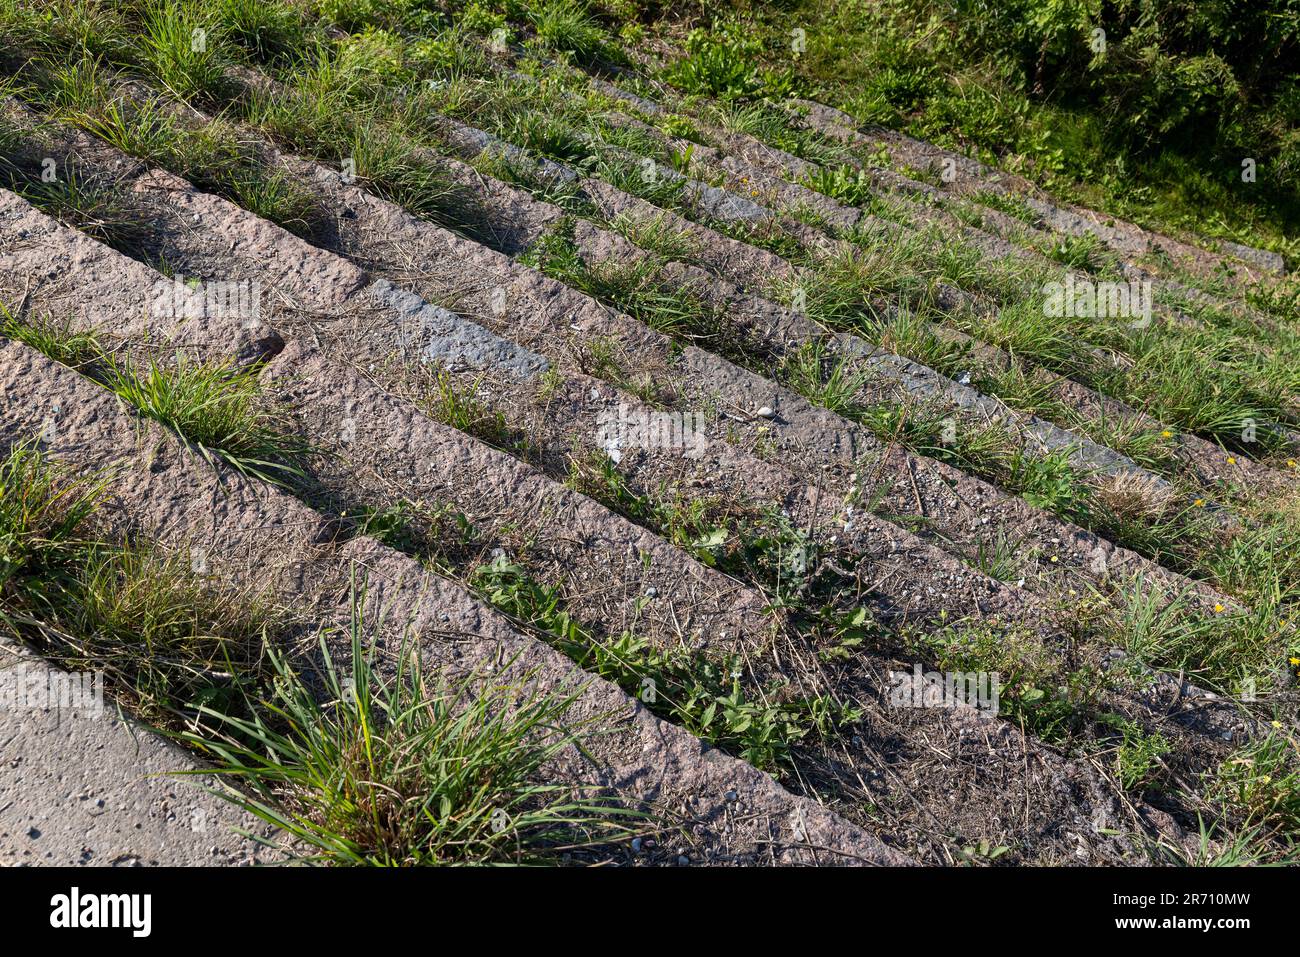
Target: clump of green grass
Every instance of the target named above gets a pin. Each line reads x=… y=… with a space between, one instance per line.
x=147 y=130
x=1222 y=846
x=999 y=556
x=213 y=406
x=44 y=532
x=846 y=291
x=168 y=638
x=546 y=135
x=658 y=236
x=180 y=44
x=462 y=409
x=771 y=123
x=1077 y=252
x=74 y=88
x=311 y=114
x=395 y=169
x=566 y=26
x=369 y=768
x=1024 y=328
x=909 y=333
x=637 y=178
x=1237 y=652
x=71 y=347
x=84 y=25
x=439 y=535
x=638 y=140
x=1151 y=449
x=1261 y=783
x=850 y=186
x=1180 y=382
x=549 y=188
x=756 y=544
x=635 y=287
x=1011 y=205
x=1261 y=561
x=825 y=379
x=216 y=408
x=165 y=637
x=99 y=210
x=273 y=196
x=268 y=30
x=638 y=289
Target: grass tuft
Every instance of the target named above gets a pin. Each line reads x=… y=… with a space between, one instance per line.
x=60 y=342
x=367 y=768
x=166 y=639
x=216 y=408
x=180 y=44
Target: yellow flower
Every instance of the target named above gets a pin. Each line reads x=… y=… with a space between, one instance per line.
x=1294 y=661
x=1167 y=434
x=1199 y=503
x=1291 y=462
x=1231 y=460
x=1218 y=607
x=1053 y=558
x=1277 y=724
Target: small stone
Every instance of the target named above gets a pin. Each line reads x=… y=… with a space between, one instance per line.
x=765 y=412
x=636 y=845
x=731 y=795
x=651 y=592
x=683 y=860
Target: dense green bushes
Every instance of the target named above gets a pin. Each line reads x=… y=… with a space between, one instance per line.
x=1164 y=71
x=1145 y=107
